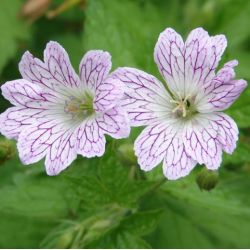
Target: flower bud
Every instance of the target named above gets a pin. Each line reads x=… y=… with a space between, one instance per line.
x=127 y=155
x=101 y=224
x=7 y=150
x=207 y=179
x=96 y=230
x=65 y=240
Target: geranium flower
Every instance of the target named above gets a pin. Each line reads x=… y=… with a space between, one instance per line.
x=57 y=114
x=184 y=125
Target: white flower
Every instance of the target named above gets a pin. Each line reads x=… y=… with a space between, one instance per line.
x=58 y=115
x=184 y=125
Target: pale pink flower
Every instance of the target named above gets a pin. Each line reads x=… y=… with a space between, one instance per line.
x=184 y=122
x=57 y=114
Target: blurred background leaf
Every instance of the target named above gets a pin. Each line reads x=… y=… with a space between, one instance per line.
x=13 y=30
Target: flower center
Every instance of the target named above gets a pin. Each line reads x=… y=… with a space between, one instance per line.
x=184 y=107
x=79 y=107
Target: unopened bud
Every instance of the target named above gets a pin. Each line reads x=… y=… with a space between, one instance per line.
x=207 y=179
x=7 y=150
x=127 y=155
x=100 y=225
x=65 y=240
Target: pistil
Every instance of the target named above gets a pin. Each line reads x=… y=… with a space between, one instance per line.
x=182 y=105
x=80 y=108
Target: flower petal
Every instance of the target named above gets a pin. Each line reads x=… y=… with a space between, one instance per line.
x=23 y=93
x=168 y=55
x=57 y=61
x=90 y=139
x=200 y=140
x=223 y=90
x=202 y=55
x=115 y=123
x=187 y=66
x=151 y=145
x=47 y=138
x=15 y=119
x=163 y=141
x=61 y=154
x=146 y=99
x=56 y=70
x=177 y=162
x=200 y=44
x=94 y=68
x=108 y=93
x=227 y=131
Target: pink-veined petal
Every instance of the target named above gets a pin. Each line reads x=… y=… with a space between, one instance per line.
x=15 y=119
x=186 y=67
x=202 y=55
x=90 y=139
x=108 y=93
x=177 y=162
x=200 y=140
x=220 y=43
x=94 y=68
x=57 y=61
x=151 y=145
x=115 y=123
x=146 y=99
x=168 y=55
x=56 y=70
x=61 y=154
x=223 y=90
x=48 y=138
x=227 y=131
x=23 y=93
x=162 y=141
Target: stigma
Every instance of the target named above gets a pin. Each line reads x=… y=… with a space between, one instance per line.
x=77 y=107
x=72 y=106
x=183 y=105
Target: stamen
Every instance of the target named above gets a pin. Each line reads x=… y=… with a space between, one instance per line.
x=174 y=101
x=184 y=111
x=175 y=109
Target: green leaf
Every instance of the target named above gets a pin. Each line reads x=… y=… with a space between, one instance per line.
x=141 y=223
x=12 y=30
x=240 y=155
x=176 y=230
x=123 y=240
x=41 y=198
x=30 y=199
x=212 y=217
x=18 y=231
x=109 y=184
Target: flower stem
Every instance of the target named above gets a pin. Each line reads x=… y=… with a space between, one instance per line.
x=157 y=185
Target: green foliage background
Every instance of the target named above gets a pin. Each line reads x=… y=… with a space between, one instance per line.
x=108 y=202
